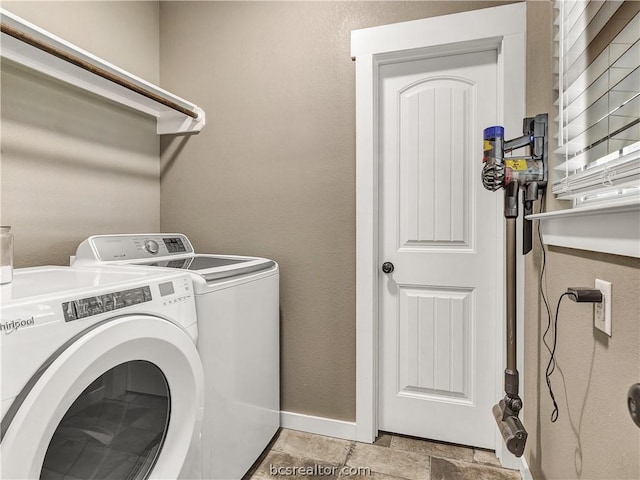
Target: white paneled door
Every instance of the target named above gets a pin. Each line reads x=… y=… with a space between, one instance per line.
x=438 y=227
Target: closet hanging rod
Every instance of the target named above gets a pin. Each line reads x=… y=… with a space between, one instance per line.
x=78 y=62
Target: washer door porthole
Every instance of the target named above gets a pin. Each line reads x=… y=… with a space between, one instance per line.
x=115 y=428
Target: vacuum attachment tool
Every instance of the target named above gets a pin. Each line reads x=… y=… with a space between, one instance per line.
x=511 y=428
x=506 y=414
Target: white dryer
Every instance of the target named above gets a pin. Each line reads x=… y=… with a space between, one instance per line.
x=100 y=375
x=237 y=303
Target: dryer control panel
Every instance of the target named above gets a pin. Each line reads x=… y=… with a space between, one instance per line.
x=87 y=307
x=167 y=293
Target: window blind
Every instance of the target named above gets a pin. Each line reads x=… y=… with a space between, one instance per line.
x=597 y=46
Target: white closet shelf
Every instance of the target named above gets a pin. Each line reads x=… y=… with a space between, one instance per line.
x=31 y=46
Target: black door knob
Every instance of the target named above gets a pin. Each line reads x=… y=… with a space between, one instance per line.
x=387 y=267
x=634 y=403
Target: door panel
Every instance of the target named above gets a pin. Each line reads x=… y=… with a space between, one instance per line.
x=438 y=314
x=434 y=203
x=434 y=327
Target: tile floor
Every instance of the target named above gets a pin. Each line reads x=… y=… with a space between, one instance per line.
x=295 y=454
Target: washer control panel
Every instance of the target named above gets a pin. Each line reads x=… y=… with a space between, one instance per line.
x=174 y=245
x=133 y=247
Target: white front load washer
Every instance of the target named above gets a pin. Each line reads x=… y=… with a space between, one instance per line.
x=101 y=377
x=237 y=303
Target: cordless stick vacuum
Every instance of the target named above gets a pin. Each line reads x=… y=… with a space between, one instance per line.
x=528 y=173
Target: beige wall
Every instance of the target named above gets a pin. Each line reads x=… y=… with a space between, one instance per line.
x=72 y=164
x=594 y=436
x=273 y=173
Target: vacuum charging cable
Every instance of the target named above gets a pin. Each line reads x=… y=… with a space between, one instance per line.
x=579 y=295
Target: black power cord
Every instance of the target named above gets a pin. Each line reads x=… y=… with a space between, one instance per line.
x=577 y=294
x=552 y=361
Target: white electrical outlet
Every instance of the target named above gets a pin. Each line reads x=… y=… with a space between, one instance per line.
x=602 y=318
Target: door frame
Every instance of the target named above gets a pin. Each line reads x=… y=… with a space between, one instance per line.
x=501 y=28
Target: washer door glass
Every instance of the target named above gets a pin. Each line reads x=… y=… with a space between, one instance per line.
x=114 y=429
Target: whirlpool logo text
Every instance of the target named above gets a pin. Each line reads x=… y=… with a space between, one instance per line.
x=13 y=325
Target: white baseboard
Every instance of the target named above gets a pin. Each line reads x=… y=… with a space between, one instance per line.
x=524 y=469
x=319 y=425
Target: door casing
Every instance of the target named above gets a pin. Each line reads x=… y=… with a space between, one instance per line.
x=501 y=28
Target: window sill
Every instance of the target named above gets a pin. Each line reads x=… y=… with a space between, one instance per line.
x=609 y=228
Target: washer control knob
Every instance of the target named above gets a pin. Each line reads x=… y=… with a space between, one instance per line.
x=151 y=246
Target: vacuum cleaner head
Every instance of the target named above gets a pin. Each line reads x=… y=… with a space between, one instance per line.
x=511 y=429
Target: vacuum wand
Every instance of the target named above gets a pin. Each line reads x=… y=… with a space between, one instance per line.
x=506 y=410
x=513 y=174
